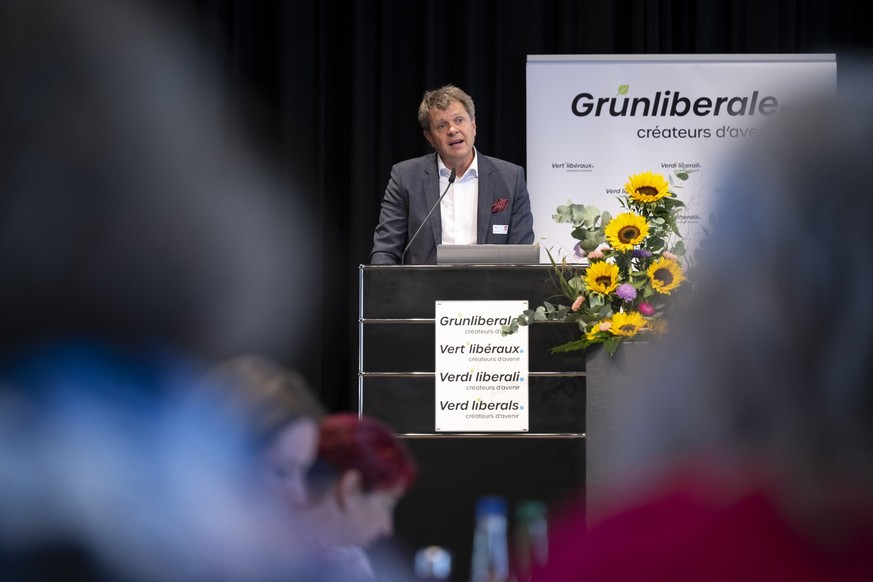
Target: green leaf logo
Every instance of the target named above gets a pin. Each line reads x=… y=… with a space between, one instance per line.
x=623 y=89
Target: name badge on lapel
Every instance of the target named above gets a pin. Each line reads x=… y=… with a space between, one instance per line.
x=500 y=229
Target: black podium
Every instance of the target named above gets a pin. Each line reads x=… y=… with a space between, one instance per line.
x=396 y=384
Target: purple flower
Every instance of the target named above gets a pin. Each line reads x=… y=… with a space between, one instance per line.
x=641 y=254
x=647 y=308
x=577 y=250
x=626 y=292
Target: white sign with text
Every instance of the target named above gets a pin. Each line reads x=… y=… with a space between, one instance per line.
x=481 y=376
x=594 y=120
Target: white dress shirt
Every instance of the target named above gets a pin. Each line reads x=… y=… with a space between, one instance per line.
x=459 y=208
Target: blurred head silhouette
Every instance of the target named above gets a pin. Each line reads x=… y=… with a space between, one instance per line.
x=361 y=472
x=132 y=208
x=768 y=372
x=278 y=414
x=141 y=240
x=745 y=442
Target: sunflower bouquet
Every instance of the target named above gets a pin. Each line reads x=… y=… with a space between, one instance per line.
x=634 y=267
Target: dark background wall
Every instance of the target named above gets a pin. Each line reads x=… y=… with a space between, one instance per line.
x=331 y=88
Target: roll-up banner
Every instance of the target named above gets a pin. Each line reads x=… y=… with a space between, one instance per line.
x=592 y=121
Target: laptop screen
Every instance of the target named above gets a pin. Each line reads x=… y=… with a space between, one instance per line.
x=488 y=254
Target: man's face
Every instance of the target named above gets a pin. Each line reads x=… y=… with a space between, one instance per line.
x=452 y=134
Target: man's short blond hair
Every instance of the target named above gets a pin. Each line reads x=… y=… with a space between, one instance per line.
x=442 y=99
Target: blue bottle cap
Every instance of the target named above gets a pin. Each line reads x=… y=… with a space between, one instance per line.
x=491 y=504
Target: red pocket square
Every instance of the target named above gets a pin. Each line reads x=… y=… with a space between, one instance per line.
x=499 y=205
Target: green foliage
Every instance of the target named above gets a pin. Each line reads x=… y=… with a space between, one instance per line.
x=588 y=224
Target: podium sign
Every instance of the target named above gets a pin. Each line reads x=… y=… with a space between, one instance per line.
x=481 y=376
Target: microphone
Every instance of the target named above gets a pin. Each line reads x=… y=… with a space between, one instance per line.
x=452 y=177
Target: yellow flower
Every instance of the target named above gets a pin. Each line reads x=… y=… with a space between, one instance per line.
x=601 y=277
x=598 y=328
x=626 y=230
x=665 y=275
x=627 y=324
x=647 y=187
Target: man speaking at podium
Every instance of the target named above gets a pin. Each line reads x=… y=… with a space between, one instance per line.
x=455 y=196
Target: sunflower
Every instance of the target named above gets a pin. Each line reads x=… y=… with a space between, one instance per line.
x=626 y=230
x=665 y=275
x=647 y=187
x=627 y=324
x=602 y=277
x=593 y=334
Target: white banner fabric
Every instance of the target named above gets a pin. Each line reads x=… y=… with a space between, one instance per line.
x=592 y=121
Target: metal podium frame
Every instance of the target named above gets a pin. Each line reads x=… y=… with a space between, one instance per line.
x=396 y=360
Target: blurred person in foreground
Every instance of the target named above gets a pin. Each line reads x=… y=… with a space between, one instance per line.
x=486 y=200
x=141 y=241
x=747 y=445
x=361 y=472
x=278 y=414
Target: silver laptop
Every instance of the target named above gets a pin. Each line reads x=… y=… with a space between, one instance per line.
x=488 y=254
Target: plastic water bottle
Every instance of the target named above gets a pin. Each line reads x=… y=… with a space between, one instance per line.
x=490 y=550
x=531 y=539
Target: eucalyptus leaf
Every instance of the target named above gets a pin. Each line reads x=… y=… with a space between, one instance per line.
x=579 y=233
x=570 y=346
x=590 y=215
x=589 y=244
x=576 y=284
x=611 y=344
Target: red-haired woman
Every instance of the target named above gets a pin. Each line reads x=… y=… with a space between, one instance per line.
x=361 y=472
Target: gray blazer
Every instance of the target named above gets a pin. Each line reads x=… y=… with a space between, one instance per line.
x=414 y=188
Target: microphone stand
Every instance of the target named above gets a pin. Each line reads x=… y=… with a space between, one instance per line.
x=452 y=177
